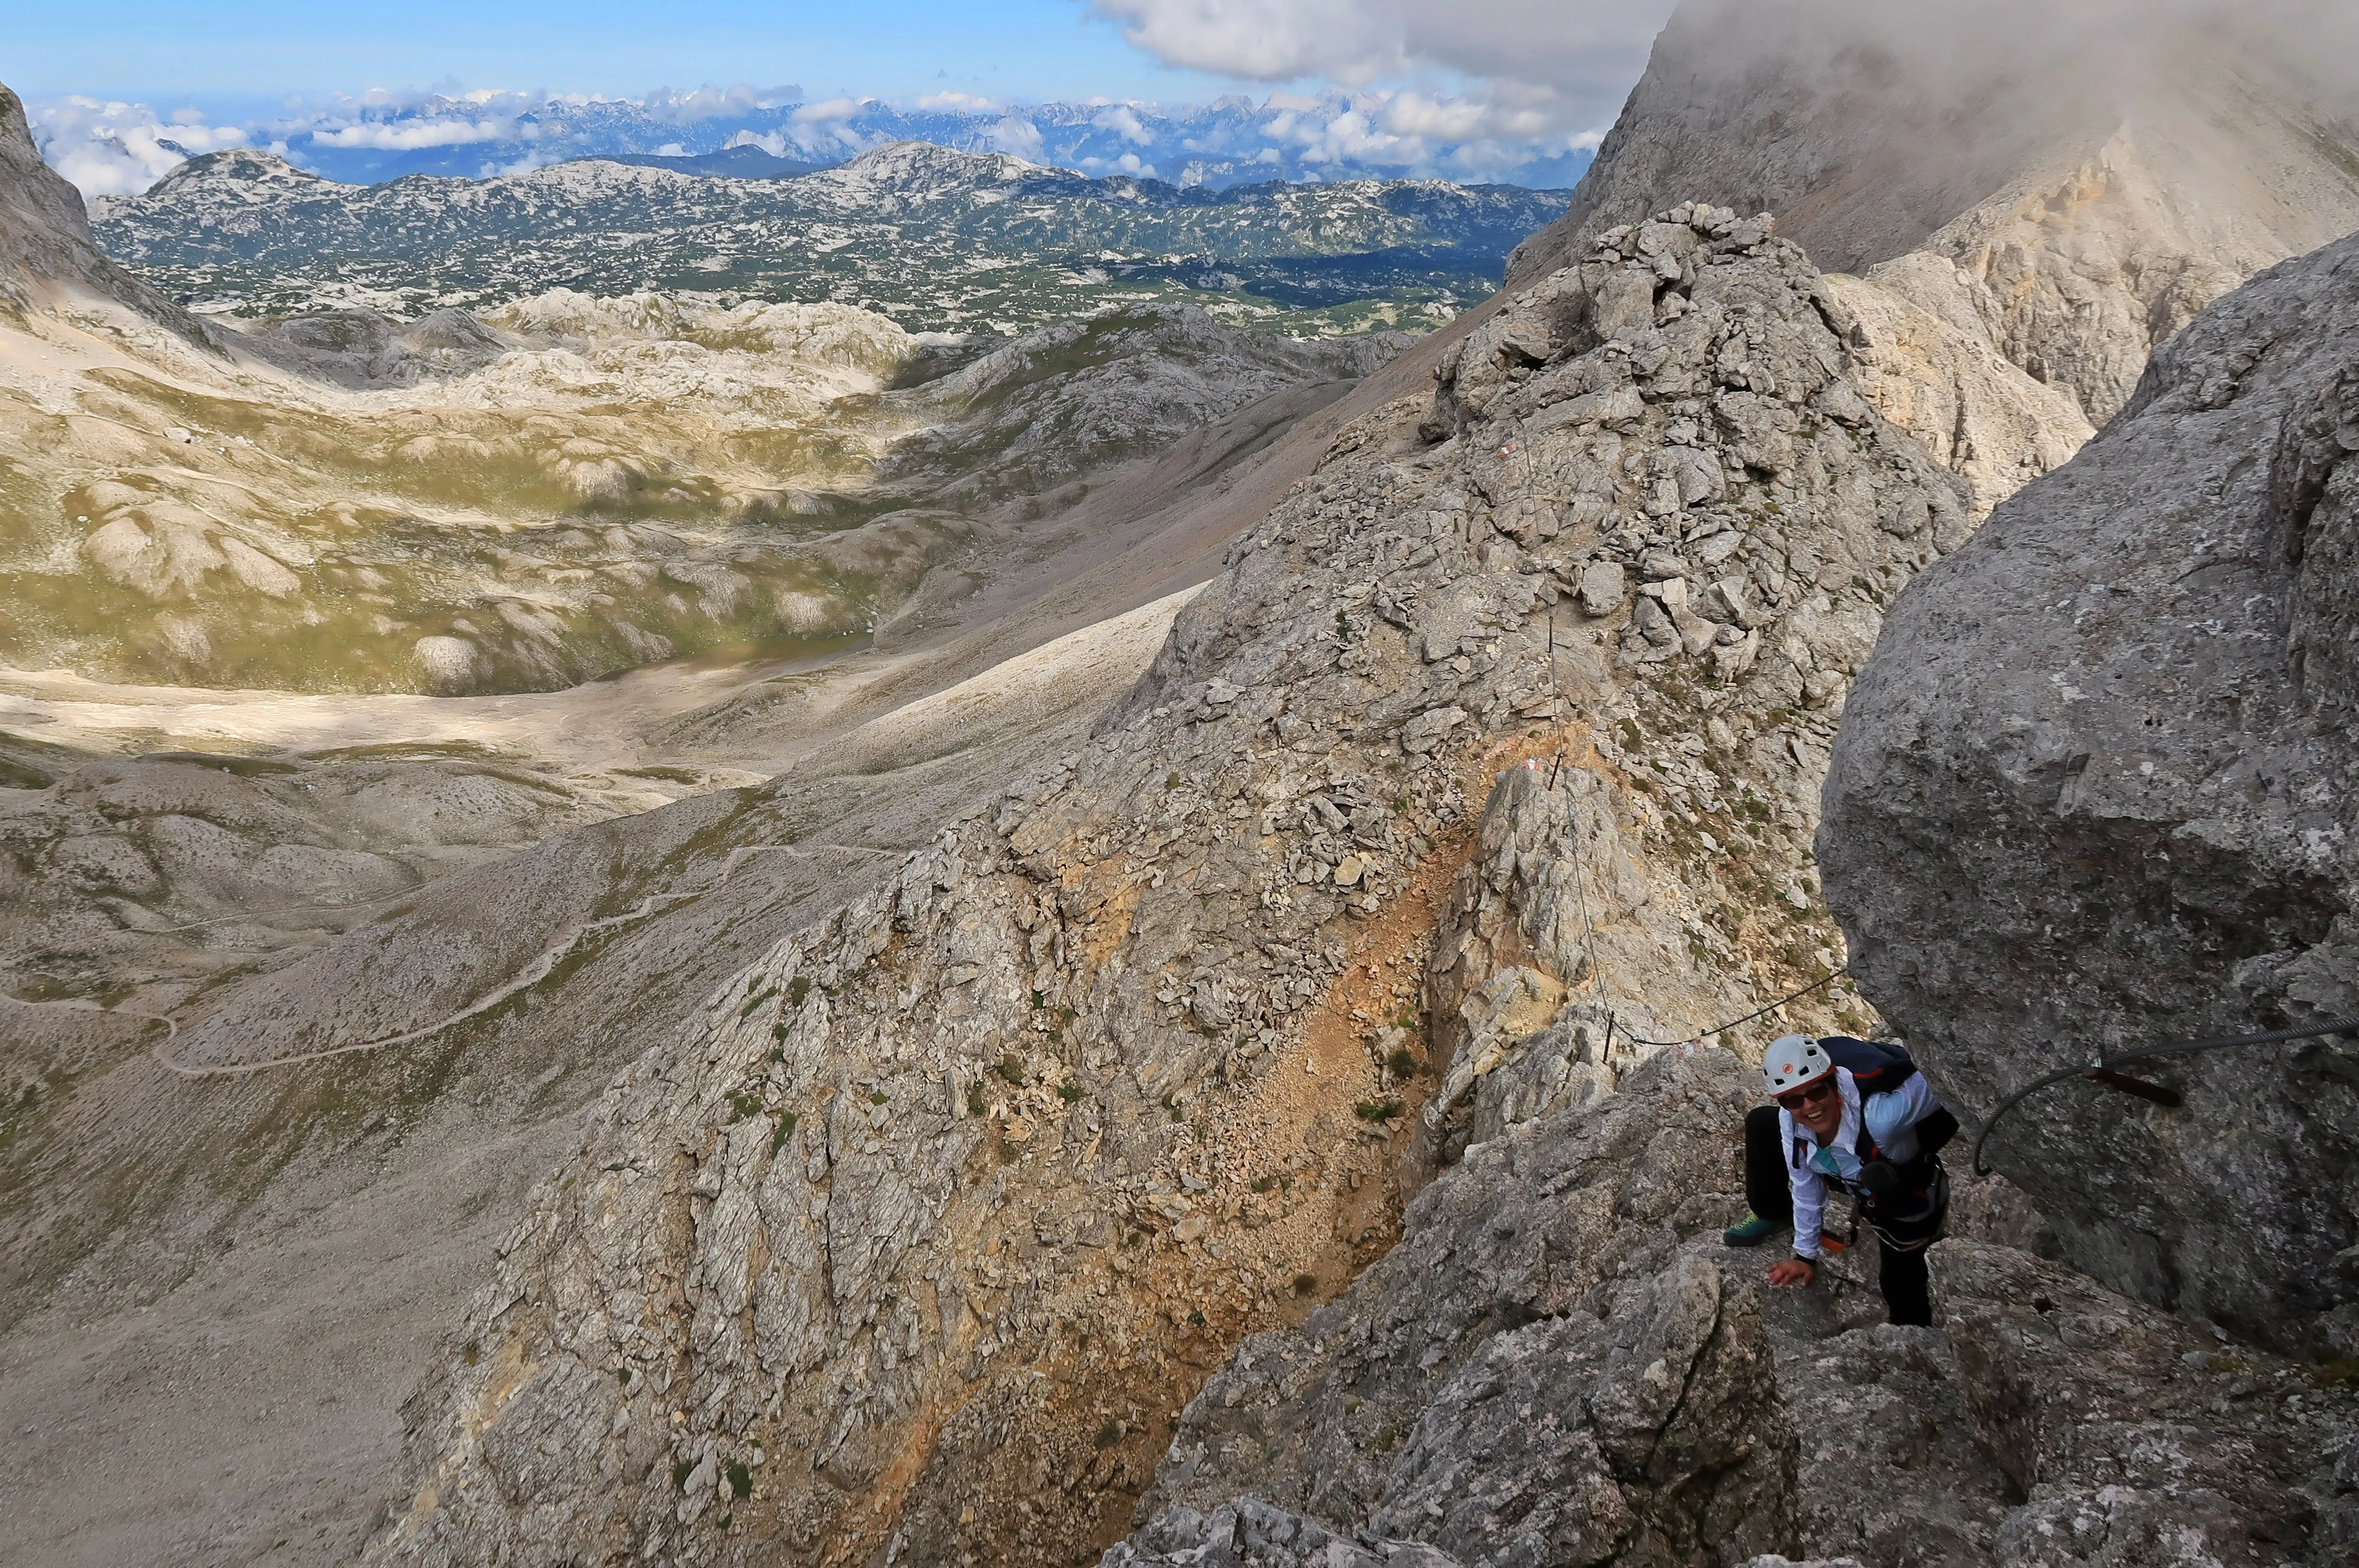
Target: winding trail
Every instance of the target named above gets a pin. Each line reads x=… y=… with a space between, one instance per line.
x=78 y=1005
x=532 y=974
x=282 y=910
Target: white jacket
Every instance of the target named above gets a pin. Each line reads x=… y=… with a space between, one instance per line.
x=1892 y=1119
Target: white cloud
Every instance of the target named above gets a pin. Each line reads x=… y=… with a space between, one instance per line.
x=1431 y=126
x=716 y=103
x=1122 y=120
x=1016 y=136
x=827 y=109
x=408 y=135
x=1563 y=64
x=1511 y=112
x=120 y=149
x=1351 y=137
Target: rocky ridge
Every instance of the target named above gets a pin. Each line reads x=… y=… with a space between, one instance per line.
x=1080 y=1091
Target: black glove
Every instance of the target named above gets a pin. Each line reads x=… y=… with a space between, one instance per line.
x=1878 y=1179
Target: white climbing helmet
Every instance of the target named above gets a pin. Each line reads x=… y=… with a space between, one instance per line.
x=1793 y=1061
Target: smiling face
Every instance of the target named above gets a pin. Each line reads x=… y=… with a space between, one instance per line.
x=1817 y=1106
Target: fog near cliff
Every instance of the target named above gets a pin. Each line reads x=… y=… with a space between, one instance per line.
x=1957 y=49
x=1544 y=66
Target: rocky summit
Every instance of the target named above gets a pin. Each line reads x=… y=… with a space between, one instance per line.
x=2020 y=202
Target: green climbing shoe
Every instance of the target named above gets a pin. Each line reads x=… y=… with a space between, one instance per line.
x=1750 y=1231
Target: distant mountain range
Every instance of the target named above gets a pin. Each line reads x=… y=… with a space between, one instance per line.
x=1373 y=134
x=1232 y=141
x=940 y=240
x=743 y=161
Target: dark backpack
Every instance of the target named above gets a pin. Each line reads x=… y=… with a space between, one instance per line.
x=1877 y=1068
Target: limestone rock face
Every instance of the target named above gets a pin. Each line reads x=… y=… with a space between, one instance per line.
x=2138 y=1438
x=1884 y=1407
x=1947 y=383
x=45 y=240
x=2094 y=790
x=1474 y=1395
x=1251 y=1534
x=926 y=1220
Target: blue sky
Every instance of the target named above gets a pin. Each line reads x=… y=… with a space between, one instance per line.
x=1007 y=48
x=1475 y=89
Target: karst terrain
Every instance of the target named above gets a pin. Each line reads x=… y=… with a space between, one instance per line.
x=1191 y=1022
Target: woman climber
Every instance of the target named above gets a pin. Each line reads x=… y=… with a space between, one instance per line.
x=1858 y=1115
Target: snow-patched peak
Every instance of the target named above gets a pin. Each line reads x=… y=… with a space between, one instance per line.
x=921 y=168
x=249 y=171
x=587 y=180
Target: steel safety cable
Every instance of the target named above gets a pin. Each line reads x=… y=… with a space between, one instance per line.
x=1614 y=1024
x=2110 y=1062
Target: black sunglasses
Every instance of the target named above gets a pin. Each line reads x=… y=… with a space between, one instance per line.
x=1808 y=1093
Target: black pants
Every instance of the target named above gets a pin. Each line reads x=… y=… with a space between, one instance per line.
x=1900 y=1244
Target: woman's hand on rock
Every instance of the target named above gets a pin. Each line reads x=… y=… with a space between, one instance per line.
x=1793 y=1271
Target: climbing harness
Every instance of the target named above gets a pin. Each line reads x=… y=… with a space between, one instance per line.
x=2103 y=1070
x=1881 y=1191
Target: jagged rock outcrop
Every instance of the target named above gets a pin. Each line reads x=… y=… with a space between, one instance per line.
x=2094 y=790
x=363 y=349
x=1945 y=383
x=1019 y=1144
x=2038 y=199
x=1447 y=1406
x=1543 y=1370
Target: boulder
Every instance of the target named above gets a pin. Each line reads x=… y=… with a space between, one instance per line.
x=2092 y=790
x=2138 y=1438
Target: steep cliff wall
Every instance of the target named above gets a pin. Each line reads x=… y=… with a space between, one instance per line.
x=45 y=250
x=2095 y=789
